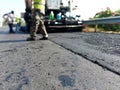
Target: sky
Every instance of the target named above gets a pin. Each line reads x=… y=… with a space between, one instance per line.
x=17 y=6
x=87 y=8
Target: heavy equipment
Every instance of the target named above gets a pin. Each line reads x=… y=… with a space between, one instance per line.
x=58 y=15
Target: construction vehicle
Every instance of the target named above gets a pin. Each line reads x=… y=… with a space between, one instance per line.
x=57 y=15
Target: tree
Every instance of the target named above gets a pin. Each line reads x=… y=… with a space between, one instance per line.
x=108 y=13
x=105 y=13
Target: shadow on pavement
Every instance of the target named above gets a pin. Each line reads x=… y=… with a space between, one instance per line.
x=12 y=41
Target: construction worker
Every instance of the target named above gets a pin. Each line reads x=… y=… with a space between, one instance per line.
x=9 y=17
x=38 y=10
x=18 y=22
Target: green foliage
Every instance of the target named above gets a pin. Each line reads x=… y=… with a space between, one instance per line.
x=109 y=27
x=108 y=13
x=117 y=13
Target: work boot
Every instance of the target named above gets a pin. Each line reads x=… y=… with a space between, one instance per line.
x=11 y=32
x=31 y=39
x=44 y=38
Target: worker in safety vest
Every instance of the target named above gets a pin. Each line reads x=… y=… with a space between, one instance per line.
x=9 y=17
x=38 y=10
x=18 y=23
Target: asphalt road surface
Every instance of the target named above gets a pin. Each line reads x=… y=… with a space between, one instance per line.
x=100 y=48
x=67 y=61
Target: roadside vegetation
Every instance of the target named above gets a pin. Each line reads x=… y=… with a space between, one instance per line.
x=107 y=13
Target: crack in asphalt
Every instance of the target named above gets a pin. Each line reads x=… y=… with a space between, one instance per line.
x=85 y=56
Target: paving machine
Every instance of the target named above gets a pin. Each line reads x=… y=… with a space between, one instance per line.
x=57 y=15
